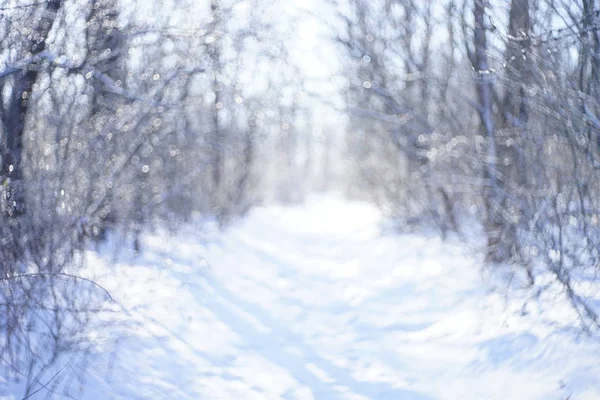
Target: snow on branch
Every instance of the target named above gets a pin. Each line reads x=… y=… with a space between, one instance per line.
x=89 y=72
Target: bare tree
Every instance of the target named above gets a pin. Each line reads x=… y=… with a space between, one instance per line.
x=15 y=110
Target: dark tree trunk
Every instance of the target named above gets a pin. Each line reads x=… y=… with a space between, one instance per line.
x=15 y=114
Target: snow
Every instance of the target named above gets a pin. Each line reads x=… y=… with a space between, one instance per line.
x=317 y=302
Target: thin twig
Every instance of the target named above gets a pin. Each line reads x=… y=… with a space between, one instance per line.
x=47 y=383
x=61 y=274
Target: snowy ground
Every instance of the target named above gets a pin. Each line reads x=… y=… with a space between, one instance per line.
x=314 y=302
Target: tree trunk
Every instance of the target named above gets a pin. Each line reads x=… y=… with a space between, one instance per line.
x=217 y=142
x=518 y=76
x=15 y=114
x=494 y=193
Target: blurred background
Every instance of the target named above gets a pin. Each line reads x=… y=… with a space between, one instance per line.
x=474 y=120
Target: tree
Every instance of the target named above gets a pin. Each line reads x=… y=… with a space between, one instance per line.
x=14 y=114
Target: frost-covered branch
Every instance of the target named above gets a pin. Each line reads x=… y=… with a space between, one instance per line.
x=89 y=72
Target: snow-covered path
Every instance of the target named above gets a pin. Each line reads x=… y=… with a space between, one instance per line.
x=314 y=302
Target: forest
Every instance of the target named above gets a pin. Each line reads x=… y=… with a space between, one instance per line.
x=468 y=120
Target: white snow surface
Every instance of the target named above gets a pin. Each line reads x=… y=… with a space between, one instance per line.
x=317 y=302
